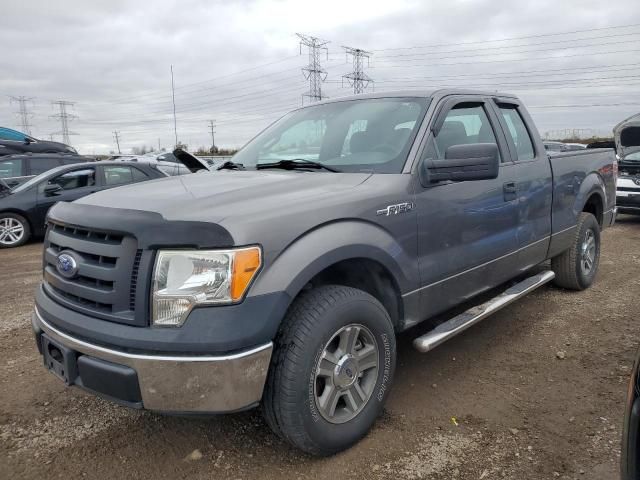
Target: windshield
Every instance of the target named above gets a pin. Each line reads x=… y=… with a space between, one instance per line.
x=632 y=157
x=372 y=135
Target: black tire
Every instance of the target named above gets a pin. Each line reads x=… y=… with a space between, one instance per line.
x=289 y=402
x=568 y=266
x=6 y=241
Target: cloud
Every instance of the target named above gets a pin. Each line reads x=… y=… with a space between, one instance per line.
x=239 y=62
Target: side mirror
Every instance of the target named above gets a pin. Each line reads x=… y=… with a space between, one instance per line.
x=52 y=189
x=27 y=141
x=475 y=161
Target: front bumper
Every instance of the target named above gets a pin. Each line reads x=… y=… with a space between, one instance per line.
x=167 y=383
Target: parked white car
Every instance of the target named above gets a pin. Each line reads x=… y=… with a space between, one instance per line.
x=165 y=161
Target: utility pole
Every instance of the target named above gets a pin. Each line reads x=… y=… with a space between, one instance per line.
x=358 y=79
x=212 y=126
x=159 y=149
x=173 y=97
x=65 y=118
x=116 y=135
x=314 y=71
x=23 y=112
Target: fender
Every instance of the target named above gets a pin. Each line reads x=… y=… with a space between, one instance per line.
x=328 y=244
x=565 y=220
x=592 y=183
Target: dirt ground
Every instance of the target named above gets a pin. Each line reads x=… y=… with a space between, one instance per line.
x=495 y=402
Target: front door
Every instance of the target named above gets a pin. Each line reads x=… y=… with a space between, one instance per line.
x=467 y=229
x=73 y=184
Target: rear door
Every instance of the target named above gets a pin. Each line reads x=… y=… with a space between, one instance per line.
x=466 y=230
x=533 y=181
x=74 y=183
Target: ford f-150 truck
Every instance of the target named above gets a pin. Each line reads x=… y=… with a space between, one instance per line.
x=282 y=279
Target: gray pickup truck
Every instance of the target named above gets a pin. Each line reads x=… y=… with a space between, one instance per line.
x=282 y=279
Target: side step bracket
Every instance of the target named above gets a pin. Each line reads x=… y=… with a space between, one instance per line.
x=460 y=323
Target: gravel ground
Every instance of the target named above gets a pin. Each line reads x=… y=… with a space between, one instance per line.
x=536 y=391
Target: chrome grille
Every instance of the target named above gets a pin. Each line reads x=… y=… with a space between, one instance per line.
x=107 y=271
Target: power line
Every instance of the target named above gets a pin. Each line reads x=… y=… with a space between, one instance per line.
x=554 y=49
x=546 y=57
x=357 y=78
x=65 y=118
x=564 y=42
x=314 y=72
x=543 y=35
x=23 y=112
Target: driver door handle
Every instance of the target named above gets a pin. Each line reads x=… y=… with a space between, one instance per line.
x=510 y=191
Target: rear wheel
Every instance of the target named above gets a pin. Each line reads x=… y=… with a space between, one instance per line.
x=332 y=369
x=14 y=230
x=576 y=268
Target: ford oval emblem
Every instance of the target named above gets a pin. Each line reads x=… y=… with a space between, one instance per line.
x=67 y=265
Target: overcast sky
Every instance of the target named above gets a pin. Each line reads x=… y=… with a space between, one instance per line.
x=238 y=62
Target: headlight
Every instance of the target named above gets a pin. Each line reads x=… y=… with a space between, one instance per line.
x=185 y=278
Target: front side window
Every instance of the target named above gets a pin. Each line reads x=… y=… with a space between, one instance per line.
x=11 y=168
x=85 y=177
x=518 y=132
x=367 y=135
x=464 y=124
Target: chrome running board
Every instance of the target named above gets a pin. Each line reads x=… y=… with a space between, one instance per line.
x=460 y=323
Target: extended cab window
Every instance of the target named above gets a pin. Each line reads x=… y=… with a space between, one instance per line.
x=463 y=125
x=518 y=132
x=85 y=177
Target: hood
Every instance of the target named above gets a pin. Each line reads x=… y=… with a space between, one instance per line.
x=190 y=161
x=627 y=136
x=212 y=197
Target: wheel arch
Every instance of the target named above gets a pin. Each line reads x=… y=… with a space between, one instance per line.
x=22 y=213
x=352 y=253
x=591 y=197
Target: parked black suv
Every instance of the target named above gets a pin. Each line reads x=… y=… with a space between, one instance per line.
x=12 y=141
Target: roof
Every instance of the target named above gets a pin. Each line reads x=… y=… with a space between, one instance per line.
x=44 y=155
x=421 y=93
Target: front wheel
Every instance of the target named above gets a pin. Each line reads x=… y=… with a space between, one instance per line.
x=332 y=369
x=14 y=230
x=576 y=268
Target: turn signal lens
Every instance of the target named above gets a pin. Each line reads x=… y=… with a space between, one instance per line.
x=245 y=265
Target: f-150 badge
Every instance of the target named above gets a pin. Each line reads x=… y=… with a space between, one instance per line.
x=396 y=209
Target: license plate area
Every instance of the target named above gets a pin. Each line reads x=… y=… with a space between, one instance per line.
x=59 y=360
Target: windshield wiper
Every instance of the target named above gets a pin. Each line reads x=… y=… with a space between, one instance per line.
x=229 y=165
x=296 y=163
